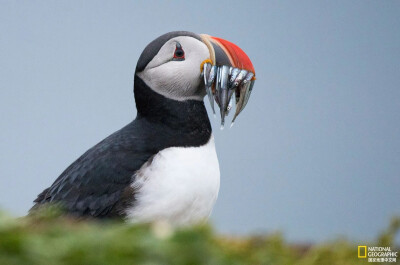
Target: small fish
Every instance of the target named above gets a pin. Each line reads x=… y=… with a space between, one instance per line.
x=228 y=86
x=242 y=74
x=248 y=77
x=242 y=92
x=231 y=103
x=213 y=73
x=248 y=92
x=234 y=74
x=223 y=91
x=209 y=75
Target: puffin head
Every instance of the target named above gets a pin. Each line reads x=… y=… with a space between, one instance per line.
x=183 y=66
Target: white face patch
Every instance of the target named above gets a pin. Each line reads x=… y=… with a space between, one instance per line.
x=179 y=80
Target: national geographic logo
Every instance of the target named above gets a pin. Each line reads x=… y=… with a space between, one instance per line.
x=377 y=254
x=362 y=252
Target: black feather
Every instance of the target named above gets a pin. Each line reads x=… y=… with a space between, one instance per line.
x=98 y=184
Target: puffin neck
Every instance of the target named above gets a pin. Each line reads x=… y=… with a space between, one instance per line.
x=189 y=115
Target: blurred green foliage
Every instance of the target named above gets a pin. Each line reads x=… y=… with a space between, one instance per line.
x=49 y=238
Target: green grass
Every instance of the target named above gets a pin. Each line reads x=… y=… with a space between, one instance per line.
x=47 y=238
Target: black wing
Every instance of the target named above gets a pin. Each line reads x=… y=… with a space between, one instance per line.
x=98 y=184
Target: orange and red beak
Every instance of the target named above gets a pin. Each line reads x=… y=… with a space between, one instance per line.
x=233 y=73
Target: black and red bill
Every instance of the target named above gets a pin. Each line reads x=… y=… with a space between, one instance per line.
x=229 y=72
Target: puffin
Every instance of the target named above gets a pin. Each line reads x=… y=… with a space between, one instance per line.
x=163 y=165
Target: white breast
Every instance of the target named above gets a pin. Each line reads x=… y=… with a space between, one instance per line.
x=180 y=185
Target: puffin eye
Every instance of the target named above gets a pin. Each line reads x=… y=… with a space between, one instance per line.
x=179 y=54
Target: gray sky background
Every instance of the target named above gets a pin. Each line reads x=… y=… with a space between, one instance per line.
x=316 y=153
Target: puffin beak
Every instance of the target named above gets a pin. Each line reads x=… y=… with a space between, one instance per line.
x=228 y=71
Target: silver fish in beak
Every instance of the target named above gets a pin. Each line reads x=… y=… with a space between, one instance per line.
x=229 y=76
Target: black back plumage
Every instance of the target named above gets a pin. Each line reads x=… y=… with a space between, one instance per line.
x=98 y=184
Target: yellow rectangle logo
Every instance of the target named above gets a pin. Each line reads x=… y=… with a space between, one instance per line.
x=362 y=254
